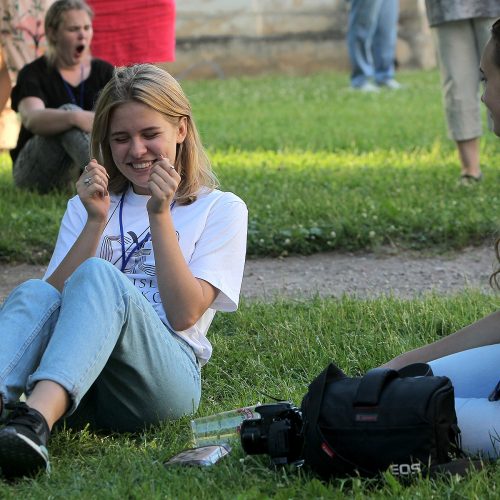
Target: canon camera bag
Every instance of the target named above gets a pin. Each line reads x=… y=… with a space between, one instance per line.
x=385 y=420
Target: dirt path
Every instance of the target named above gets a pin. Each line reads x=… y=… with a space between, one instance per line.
x=334 y=274
x=369 y=275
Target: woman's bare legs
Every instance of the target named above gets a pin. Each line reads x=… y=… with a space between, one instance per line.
x=468 y=152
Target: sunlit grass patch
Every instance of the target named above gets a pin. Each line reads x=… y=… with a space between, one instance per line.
x=305 y=202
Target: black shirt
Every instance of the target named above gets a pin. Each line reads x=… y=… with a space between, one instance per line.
x=39 y=79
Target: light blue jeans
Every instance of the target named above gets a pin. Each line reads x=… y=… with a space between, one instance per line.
x=371 y=40
x=474 y=374
x=103 y=342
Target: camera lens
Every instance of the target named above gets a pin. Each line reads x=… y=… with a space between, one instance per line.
x=277 y=433
x=253 y=440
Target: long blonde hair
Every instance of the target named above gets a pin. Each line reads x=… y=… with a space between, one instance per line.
x=147 y=84
x=53 y=19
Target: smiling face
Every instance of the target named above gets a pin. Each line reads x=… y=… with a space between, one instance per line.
x=138 y=135
x=72 y=38
x=490 y=73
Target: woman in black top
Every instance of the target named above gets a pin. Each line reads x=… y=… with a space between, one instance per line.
x=54 y=96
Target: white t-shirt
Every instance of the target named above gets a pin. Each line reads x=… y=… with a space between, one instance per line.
x=212 y=235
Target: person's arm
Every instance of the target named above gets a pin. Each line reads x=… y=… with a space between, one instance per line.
x=184 y=297
x=483 y=332
x=45 y=121
x=5 y=83
x=95 y=198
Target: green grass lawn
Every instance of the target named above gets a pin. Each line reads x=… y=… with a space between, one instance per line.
x=317 y=113
x=320 y=167
x=273 y=349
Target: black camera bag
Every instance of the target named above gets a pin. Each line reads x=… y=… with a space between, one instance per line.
x=402 y=421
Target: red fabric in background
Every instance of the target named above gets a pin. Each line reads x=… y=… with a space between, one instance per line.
x=134 y=31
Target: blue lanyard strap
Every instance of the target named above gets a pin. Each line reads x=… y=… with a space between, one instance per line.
x=81 y=87
x=139 y=244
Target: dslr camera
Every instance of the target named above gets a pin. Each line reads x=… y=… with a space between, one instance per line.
x=278 y=433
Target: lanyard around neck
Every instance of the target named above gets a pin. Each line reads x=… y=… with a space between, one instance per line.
x=139 y=244
x=81 y=88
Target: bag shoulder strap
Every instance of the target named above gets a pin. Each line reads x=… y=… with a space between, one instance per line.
x=371 y=386
x=317 y=389
x=416 y=370
x=312 y=433
x=460 y=466
x=373 y=382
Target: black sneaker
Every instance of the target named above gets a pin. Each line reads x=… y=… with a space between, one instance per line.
x=23 y=442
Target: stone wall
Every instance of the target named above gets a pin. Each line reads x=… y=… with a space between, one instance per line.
x=218 y=38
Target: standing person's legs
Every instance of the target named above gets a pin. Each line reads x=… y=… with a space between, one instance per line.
x=52 y=162
x=110 y=345
x=468 y=150
x=482 y=31
x=474 y=374
x=362 y=23
x=384 y=41
x=469 y=156
x=458 y=54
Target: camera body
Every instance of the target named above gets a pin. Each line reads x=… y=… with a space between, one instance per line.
x=278 y=433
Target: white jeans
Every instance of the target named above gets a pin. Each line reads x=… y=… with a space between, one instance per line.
x=474 y=374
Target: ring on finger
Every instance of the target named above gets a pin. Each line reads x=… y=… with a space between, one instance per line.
x=86 y=169
x=88 y=181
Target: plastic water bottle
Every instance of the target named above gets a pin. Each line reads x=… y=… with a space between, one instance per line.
x=221 y=428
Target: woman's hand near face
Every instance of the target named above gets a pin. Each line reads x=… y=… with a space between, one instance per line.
x=163 y=183
x=185 y=298
x=92 y=188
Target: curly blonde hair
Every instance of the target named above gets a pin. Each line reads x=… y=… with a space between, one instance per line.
x=147 y=84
